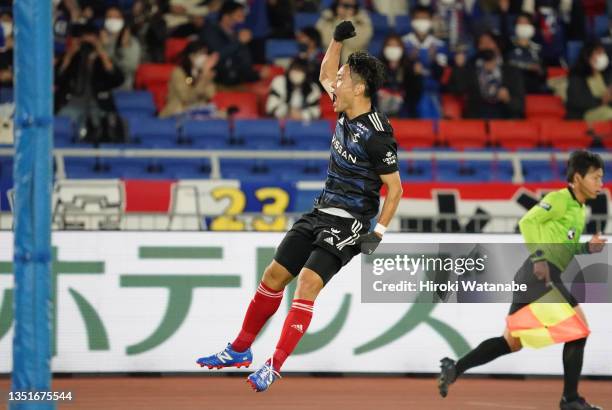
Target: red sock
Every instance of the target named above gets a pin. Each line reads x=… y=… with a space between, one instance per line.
x=264 y=304
x=295 y=326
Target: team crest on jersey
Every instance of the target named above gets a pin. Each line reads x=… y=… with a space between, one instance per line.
x=571 y=233
x=390 y=158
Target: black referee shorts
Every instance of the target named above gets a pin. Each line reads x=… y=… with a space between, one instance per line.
x=537 y=288
x=321 y=242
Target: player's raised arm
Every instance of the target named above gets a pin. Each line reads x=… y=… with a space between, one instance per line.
x=331 y=61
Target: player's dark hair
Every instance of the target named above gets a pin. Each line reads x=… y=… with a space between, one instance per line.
x=581 y=162
x=369 y=69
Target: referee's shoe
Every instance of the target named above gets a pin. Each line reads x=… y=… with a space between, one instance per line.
x=579 y=404
x=227 y=358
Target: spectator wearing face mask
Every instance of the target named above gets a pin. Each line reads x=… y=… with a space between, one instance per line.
x=309 y=43
x=122 y=47
x=293 y=95
x=235 y=61
x=403 y=88
x=589 y=91
x=192 y=82
x=346 y=10
x=430 y=56
x=526 y=56
x=492 y=89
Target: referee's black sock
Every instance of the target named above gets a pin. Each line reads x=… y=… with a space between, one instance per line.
x=573 y=352
x=487 y=351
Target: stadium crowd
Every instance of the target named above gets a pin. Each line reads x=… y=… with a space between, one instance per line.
x=486 y=56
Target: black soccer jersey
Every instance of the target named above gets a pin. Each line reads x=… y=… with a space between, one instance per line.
x=362 y=149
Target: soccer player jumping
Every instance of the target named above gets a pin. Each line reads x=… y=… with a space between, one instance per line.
x=558 y=219
x=363 y=158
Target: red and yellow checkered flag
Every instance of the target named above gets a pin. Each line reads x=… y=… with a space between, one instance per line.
x=547 y=321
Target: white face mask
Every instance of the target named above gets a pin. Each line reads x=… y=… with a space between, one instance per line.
x=524 y=31
x=393 y=53
x=199 y=60
x=297 y=77
x=421 y=26
x=113 y=25
x=601 y=62
x=7 y=28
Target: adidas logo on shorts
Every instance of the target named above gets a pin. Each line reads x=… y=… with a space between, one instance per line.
x=329 y=240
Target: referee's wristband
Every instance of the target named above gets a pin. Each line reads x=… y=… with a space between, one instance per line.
x=380 y=229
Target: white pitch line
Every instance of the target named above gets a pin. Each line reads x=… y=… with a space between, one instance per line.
x=502 y=406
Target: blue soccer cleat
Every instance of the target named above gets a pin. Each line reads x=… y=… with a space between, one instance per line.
x=263 y=378
x=227 y=358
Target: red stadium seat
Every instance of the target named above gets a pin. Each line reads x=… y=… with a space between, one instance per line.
x=414 y=133
x=245 y=102
x=148 y=74
x=452 y=107
x=155 y=78
x=160 y=94
x=556 y=72
x=603 y=129
x=174 y=48
x=544 y=107
x=462 y=134
x=566 y=135
x=515 y=135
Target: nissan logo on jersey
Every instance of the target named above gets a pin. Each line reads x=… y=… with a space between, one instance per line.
x=342 y=151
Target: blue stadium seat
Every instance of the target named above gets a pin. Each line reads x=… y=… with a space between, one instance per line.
x=206 y=134
x=315 y=135
x=301 y=20
x=88 y=168
x=185 y=168
x=134 y=102
x=537 y=171
x=153 y=132
x=380 y=24
x=467 y=171
x=63 y=131
x=416 y=171
x=573 y=51
x=6 y=95
x=402 y=24
x=258 y=134
x=5 y=185
x=376 y=47
x=503 y=171
x=247 y=169
x=601 y=26
x=276 y=48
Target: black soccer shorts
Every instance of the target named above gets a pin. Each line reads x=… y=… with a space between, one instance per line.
x=537 y=288
x=321 y=242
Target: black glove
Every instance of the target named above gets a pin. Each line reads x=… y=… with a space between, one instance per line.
x=369 y=242
x=344 y=31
